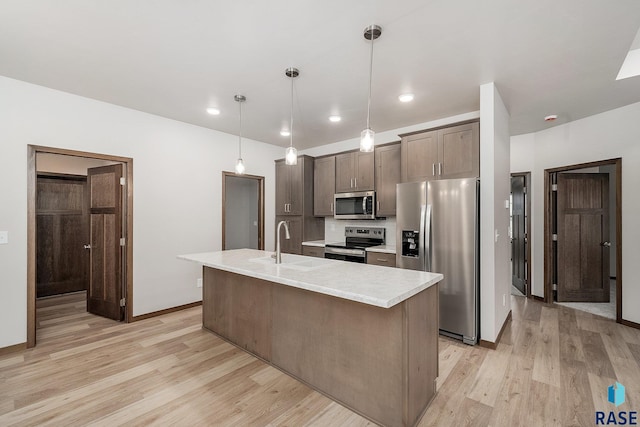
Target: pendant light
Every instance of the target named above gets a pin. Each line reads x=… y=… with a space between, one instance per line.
x=291 y=155
x=240 y=164
x=372 y=32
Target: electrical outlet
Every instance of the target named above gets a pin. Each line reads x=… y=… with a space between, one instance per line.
x=199 y=283
x=4 y=237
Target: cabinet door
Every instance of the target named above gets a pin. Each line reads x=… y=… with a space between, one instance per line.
x=324 y=186
x=387 y=176
x=313 y=251
x=378 y=258
x=294 y=244
x=459 y=149
x=419 y=156
x=365 y=171
x=282 y=188
x=296 y=187
x=345 y=173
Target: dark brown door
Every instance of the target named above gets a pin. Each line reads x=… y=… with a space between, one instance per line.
x=105 y=208
x=518 y=233
x=583 y=237
x=62 y=230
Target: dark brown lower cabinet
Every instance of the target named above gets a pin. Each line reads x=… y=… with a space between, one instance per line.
x=379 y=362
x=314 y=251
x=301 y=229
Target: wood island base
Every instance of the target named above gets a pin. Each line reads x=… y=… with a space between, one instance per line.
x=379 y=362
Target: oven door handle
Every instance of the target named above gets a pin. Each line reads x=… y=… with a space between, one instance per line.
x=340 y=251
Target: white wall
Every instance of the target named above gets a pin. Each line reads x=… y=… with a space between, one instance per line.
x=495 y=187
x=608 y=135
x=177 y=189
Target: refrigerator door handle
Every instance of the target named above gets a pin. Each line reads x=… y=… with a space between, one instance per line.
x=423 y=243
x=427 y=240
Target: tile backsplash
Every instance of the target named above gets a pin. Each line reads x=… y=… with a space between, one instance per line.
x=334 y=228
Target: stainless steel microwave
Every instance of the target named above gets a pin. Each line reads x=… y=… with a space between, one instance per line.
x=355 y=205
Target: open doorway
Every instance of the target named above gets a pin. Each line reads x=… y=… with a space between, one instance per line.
x=583 y=237
x=79 y=238
x=520 y=214
x=242 y=211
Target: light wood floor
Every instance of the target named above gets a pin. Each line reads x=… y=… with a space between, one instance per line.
x=553 y=367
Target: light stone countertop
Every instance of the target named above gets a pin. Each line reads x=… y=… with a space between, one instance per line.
x=317 y=243
x=368 y=284
x=383 y=249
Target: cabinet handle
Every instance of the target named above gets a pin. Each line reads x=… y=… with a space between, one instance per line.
x=351 y=184
x=378 y=203
x=382 y=260
x=331 y=207
x=439 y=168
x=356 y=180
x=433 y=169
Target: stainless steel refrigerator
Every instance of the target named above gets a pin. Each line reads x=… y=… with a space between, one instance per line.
x=437 y=229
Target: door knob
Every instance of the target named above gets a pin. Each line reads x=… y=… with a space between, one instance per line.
x=87 y=246
x=606 y=244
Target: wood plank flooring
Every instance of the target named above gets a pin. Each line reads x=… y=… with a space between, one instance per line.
x=553 y=367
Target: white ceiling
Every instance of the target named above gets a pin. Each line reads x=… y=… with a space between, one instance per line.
x=175 y=58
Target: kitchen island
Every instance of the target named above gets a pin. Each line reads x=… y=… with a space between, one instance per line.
x=364 y=335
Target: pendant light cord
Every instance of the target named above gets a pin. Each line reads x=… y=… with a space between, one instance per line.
x=291 y=118
x=370 y=78
x=240 y=133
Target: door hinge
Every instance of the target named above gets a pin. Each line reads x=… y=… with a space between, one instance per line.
x=555 y=286
x=122 y=241
x=554 y=187
x=123 y=302
x=554 y=237
x=122 y=181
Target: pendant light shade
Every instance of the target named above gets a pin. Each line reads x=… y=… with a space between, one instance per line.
x=367 y=140
x=239 y=163
x=240 y=167
x=367 y=136
x=291 y=155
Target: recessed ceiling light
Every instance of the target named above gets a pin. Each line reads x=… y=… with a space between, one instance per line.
x=285 y=132
x=335 y=118
x=550 y=117
x=406 y=97
x=213 y=111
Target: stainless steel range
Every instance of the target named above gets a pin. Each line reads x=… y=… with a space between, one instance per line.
x=357 y=239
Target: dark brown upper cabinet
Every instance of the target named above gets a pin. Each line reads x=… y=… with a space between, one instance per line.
x=294 y=204
x=324 y=185
x=452 y=152
x=387 y=161
x=355 y=172
x=290 y=186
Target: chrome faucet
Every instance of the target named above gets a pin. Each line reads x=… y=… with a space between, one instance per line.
x=287 y=235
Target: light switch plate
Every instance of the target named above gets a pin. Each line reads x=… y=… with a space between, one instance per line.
x=4 y=237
